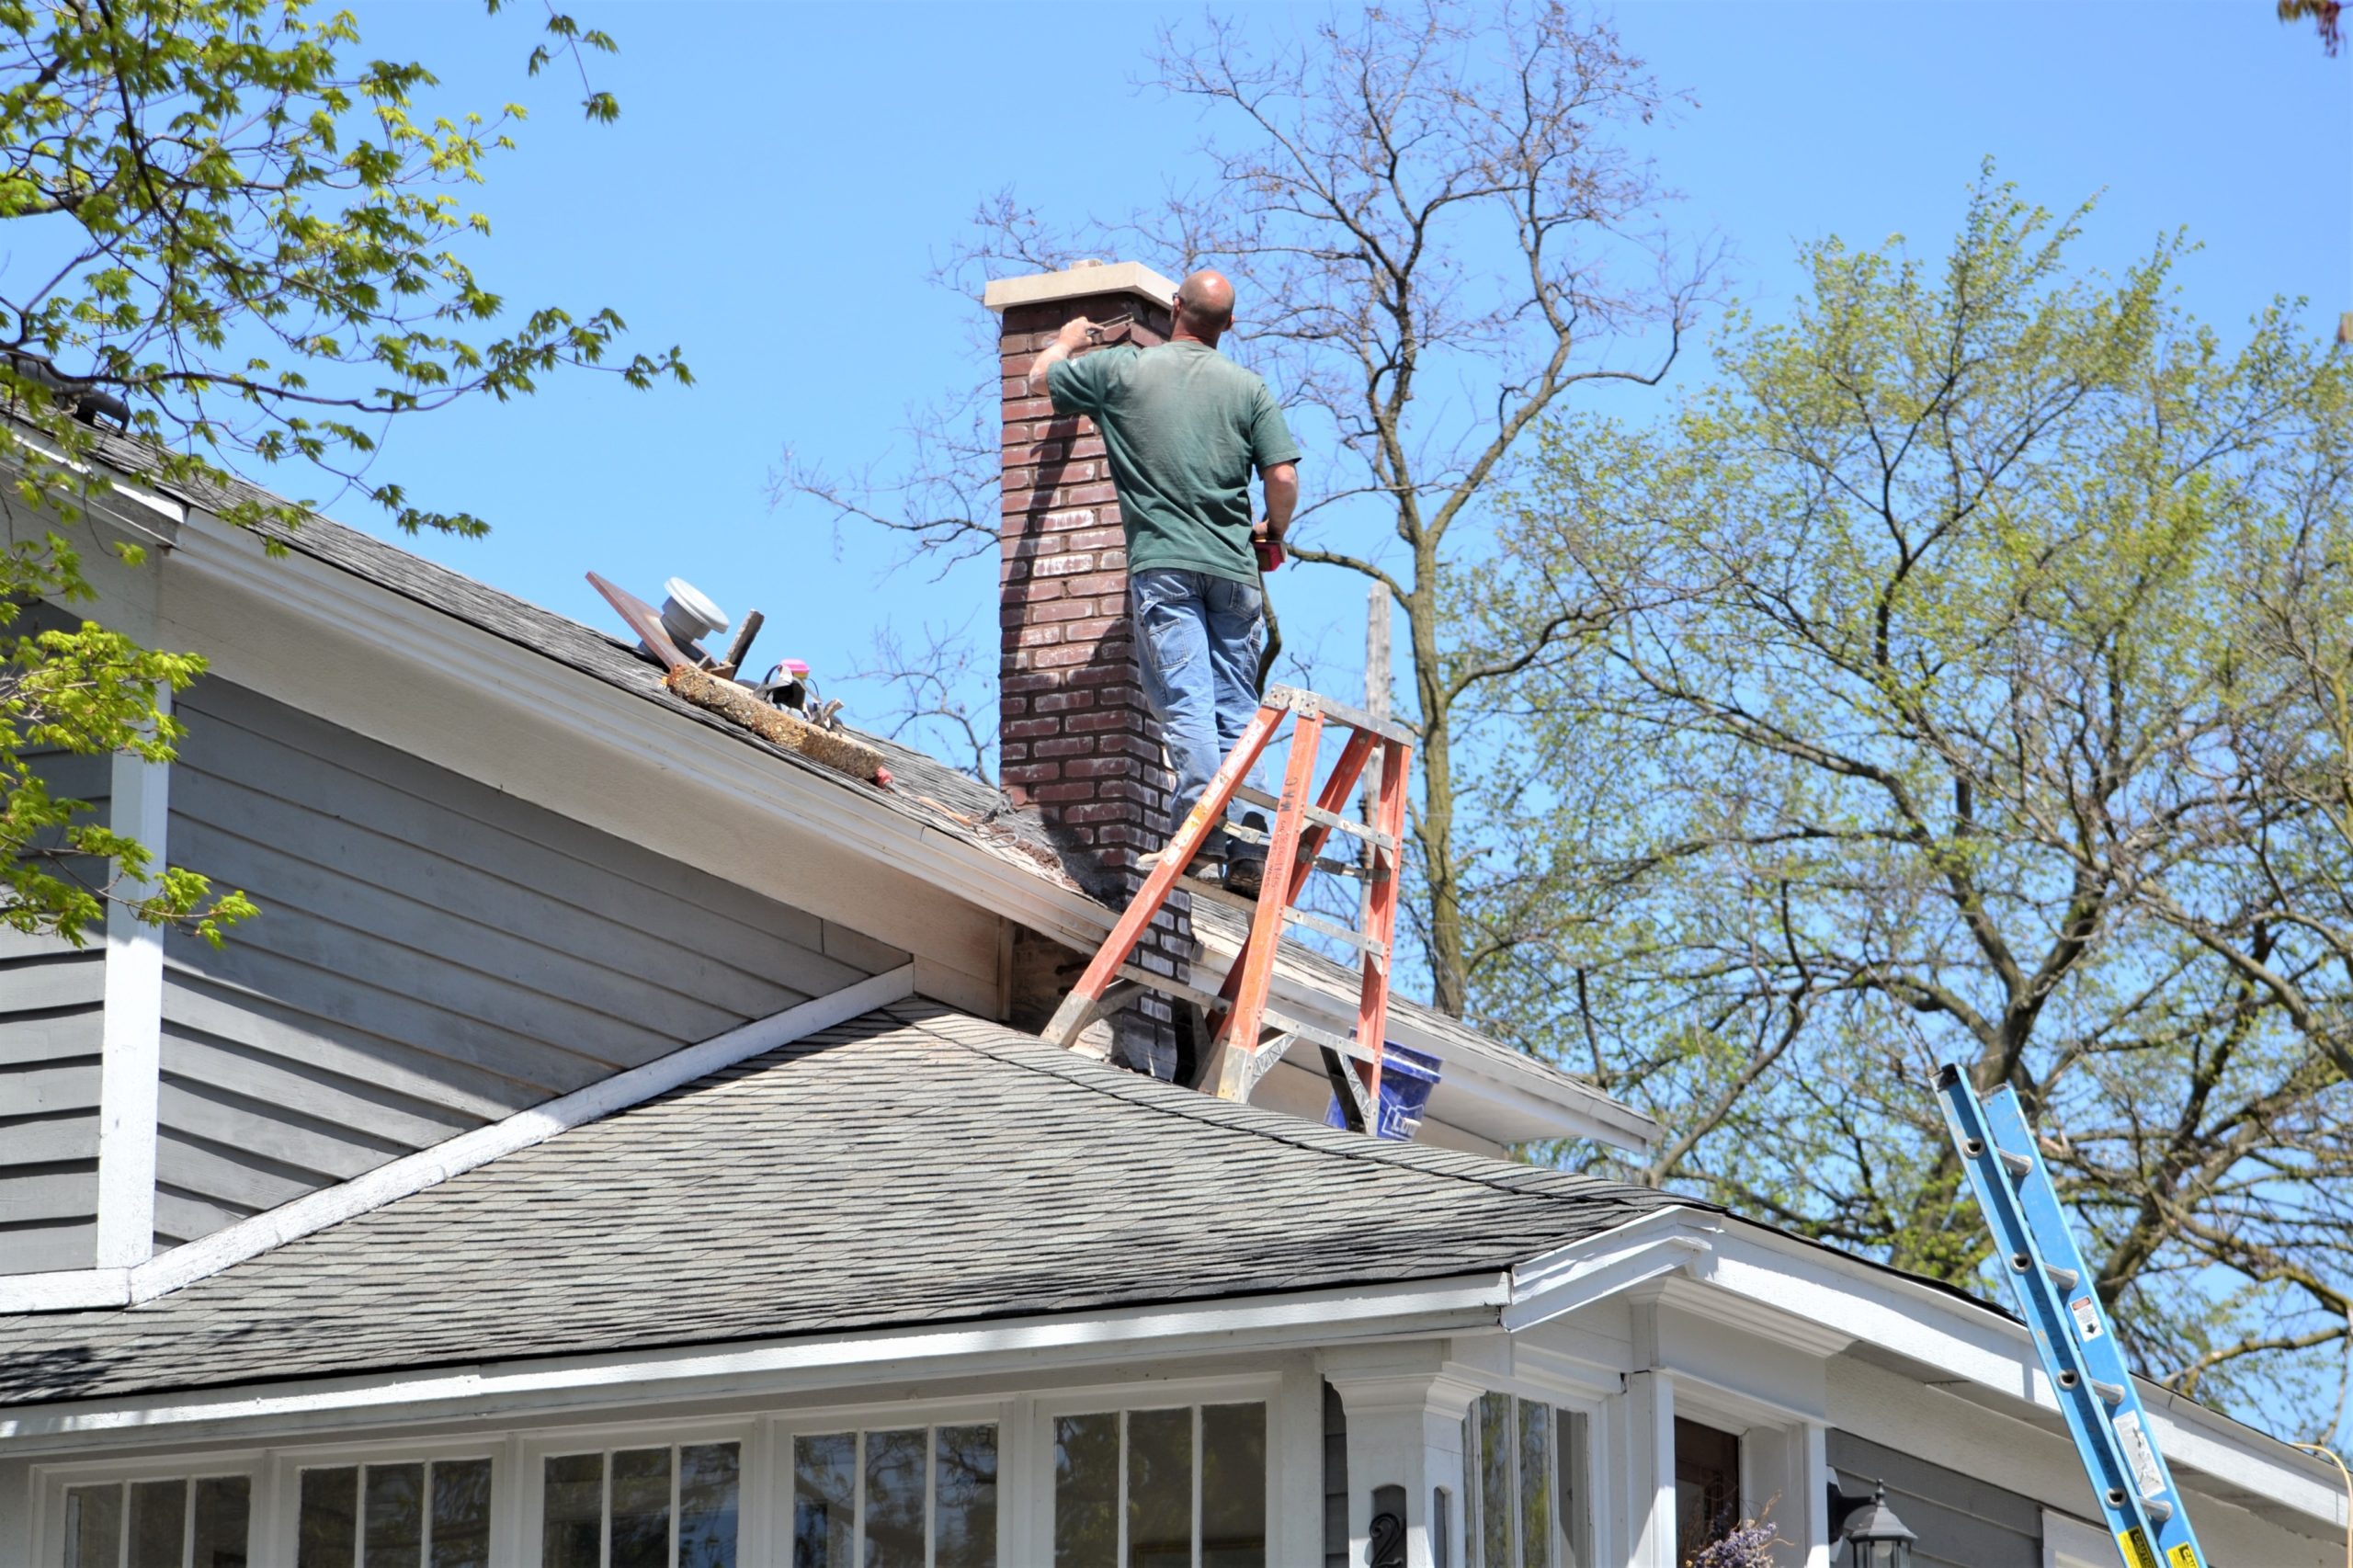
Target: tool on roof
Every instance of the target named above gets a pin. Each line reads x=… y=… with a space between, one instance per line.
x=1250 y=1036
x=2113 y=1439
x=821 y=743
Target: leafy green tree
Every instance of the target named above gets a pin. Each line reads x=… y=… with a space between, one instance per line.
x=1976 y=687
x=235 y=236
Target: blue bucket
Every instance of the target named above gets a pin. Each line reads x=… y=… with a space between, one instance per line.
x=1406 y=1079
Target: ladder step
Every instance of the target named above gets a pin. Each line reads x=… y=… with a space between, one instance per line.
x=1277 y=1021
x=1332 y=820
x=1335 y=868
x=1337 y=932
x=1292 y=700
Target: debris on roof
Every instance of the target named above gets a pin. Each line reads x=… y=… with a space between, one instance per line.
x=777 y=725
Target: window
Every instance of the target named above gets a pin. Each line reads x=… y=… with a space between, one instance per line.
x=668 y=1506
x=1523 y=1499
x=1183 y=1488
x=181 y=1523
x=1707 y=1485
x=419 y=1515
x=912 y=1497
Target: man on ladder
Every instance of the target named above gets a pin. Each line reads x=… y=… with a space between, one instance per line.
x=1183 y=426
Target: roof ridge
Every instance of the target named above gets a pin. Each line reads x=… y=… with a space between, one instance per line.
x=918 y=1013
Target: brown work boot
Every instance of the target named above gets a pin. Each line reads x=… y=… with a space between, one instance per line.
x=1245 y=876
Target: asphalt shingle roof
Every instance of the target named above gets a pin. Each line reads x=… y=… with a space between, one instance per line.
x=916 y=1165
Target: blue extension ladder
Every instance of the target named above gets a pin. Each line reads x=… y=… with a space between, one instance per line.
x=2129 y=1477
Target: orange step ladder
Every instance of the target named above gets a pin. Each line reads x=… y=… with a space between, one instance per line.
x=1250 y=1036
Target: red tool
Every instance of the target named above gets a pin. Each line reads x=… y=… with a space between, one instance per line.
x=1270 y=553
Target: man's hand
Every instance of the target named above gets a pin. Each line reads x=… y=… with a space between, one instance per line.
x=1067 y=342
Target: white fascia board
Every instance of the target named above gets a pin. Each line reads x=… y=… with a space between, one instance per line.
x=1043 y=1345
x=1784 y=1274
x=191 y=1261
x=1620 y=1258
x=1523 y=1100
x=66 y=1291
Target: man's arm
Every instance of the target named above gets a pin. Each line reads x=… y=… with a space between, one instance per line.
x=1282 y=485
x=1067 y=342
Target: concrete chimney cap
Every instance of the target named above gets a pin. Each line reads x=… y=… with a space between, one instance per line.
x=1075 y=282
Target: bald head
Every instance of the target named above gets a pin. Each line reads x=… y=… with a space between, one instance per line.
x=1204 y=306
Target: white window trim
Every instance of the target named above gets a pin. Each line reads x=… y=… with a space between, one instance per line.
x=533 y=1450
x=1005 y=1414
x=49 y=1481
x=1036 y=1490
x=276 y=1532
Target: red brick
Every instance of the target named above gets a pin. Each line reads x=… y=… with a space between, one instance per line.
x=1072 y=563
x=1099 y=813
x=1100 y=767
x=1031 y=773
x=1067 y=746
x=1031 y=729
x=1080 y=723
x=1098 y=585
x=1029 y=683
x=1011 y=752
x=1057 y=793
x=1062 y=701
x=1027 y=408
x=1093 y=495
x=1060 y=658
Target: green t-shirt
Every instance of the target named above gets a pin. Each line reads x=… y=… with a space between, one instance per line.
x=1183 y=426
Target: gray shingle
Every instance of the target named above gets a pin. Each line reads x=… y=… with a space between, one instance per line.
x=914 y=1166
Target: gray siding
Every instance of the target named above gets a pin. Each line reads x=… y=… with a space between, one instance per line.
x=1962 y=1522
x=432 y=954
x=50 y=996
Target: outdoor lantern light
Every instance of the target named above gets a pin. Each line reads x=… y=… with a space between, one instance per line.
x=1871 y=1527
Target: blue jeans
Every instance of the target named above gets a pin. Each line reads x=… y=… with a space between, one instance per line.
x=1198 y=638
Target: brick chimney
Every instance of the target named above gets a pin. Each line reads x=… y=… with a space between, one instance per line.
x=1076 y=740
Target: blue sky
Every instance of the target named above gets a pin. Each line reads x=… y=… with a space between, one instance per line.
x=783 y=176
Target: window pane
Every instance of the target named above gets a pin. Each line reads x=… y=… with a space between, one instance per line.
x=395 y=1525
x=642 y=1508
x=1469 y=1487
x=1234 y=1486
x=1707 y=1483
x=1535 y=1485
x=1495 y=1481
x=963 y=1503
x=224 y=1504
x=1160 y=1488
x=1086 y=1491
x=461 y=1514
x=709 y=1481
x=328 y=1535
x=572 y=1512
x=824 y=1476
x=894 y=1488
x=93 y=1527
x=158 y=1523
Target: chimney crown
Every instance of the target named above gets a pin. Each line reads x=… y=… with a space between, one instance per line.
x=1075 y=282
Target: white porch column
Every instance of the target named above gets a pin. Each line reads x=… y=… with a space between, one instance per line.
x=1650 y=1469
x=1405 y=1409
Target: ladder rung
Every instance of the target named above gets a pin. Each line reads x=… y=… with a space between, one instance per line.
x=1337 y=932
x=2016 y=1164
x=1317 y=814
x=1295 y=700
x=1336 y=867
x=1279 y=1022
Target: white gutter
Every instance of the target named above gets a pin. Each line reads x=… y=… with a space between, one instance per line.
x=388 y=1182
